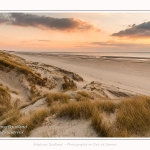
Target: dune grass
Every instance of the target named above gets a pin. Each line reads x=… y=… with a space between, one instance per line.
x=9 y=113
x=107 y=106
x=75 y=110
x=7 y=63
x=5 y=101
x=82 y=96
x=83 y=109
x=98 y=125
x=11 y=117
x=15 y=65
x=31 y=121
x=68 y=84
x=57 y=97
x=133 y=116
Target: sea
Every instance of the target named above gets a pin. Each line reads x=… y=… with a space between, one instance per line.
x=140 y=55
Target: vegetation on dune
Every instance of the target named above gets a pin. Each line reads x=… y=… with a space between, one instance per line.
x=83 y=108
x=68 y=84
x=107 y=106
x=9 y=113
x=73 y=75
x=11 y=117
x=31 y=121
x=57 y=97
x=74 y=110
x=5 y=101
x=133 y=116
x=98 y=125
x=7 y=63
x=82 y=96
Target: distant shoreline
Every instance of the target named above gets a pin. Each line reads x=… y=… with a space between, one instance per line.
x=85 y=55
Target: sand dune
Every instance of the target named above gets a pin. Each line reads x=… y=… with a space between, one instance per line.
x=72 y=96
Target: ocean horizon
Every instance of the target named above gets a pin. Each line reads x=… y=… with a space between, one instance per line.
x=104 y=54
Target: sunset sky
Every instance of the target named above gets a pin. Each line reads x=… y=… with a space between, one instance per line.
x=76 y=31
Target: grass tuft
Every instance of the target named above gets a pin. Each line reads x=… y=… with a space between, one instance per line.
x=134 y=115
x=74 y=110
x=107 y=106
x=10 y=117
x=68 y=84
x=82 y=96
x=5 y=101
x=57 y=97
x=31 y=121
x=7 y=63
x=99 y=126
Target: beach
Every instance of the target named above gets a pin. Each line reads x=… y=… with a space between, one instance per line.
x=126 y=73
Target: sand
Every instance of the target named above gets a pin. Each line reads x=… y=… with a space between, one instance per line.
x=57 y=127
x=131 y=75
x=105 y=78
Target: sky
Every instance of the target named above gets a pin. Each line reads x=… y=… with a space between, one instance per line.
x=107 y=31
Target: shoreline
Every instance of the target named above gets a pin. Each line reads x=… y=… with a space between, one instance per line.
x=85 y=55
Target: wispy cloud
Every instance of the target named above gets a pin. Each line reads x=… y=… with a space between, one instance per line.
x=36 y=40
x=135 y=31
x=115 y=44
x=44 y=22
x=44 y=40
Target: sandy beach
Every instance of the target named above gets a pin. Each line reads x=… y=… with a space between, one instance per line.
x=131 y=75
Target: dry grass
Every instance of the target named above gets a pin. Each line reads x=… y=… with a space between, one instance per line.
x=15 y=65
x=82 y=96
x=99 y=126
x=5 y=101
x=57 y=97
x=133 y=116
x=31 y=121
x=11 y=117
x=68 y=84
x=8 y=64
x=73 y=110
x=8 y=109
x=107 y=106
x=33 y=92
x=83 y=109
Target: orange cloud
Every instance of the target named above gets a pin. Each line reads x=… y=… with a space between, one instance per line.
x=43 y=22
x=135 y=31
